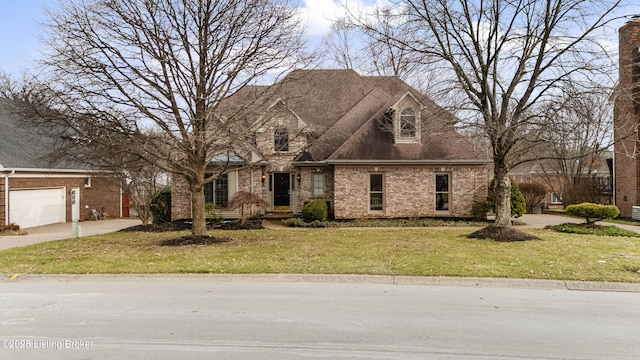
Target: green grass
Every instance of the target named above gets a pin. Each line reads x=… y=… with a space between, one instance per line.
x=600 y=230
x=411 y=252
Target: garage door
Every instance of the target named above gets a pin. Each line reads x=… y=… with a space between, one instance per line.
x=29 y=208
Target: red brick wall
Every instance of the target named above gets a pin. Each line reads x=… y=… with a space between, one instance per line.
x=626 y=120
x=103 y=193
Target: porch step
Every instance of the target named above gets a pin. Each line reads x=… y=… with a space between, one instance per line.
x=277 y=215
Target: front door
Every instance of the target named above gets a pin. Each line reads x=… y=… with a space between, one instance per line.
x=281 y=191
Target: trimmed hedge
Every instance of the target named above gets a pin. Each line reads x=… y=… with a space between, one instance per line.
x=593 y=212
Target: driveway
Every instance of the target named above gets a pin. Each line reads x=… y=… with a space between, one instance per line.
x=62 y=231
x=542 y=220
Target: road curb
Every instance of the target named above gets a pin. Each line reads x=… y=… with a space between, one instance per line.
x=479 y=282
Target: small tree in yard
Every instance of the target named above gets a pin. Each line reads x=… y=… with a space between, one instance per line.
x=247 y=199
x=593 y=212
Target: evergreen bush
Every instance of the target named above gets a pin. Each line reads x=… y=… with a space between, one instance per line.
x=161 y=207
x=315 y=210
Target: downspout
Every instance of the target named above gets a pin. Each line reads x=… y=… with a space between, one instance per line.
x=6 y=196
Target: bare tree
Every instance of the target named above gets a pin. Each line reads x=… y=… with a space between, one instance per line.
x=146 y=77
x=375 y=48
x=579 y=132
x=507 y=58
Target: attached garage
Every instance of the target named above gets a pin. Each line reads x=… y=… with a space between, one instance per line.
x=36 y=207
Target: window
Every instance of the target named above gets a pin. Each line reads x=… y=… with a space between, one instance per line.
x=318 y=184
x=556 y=198
x=87 y=182
x=407 y=123
x=442 y=192
x=217 y=191
x=281 y=139
x=376 y=192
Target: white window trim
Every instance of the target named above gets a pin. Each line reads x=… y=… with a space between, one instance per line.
x=399 y=139
x=449 y=178
x=369 y=192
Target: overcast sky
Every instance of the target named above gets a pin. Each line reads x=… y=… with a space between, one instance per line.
x=20 y=30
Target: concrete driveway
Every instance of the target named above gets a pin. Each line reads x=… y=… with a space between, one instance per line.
x=63 y=231
x=542 y=220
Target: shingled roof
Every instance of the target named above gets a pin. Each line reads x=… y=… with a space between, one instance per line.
x=348 y=113
x=20 y=146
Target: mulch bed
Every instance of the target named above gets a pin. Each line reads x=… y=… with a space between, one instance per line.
x=502 y=234
x=181 y=225
x=195 y=240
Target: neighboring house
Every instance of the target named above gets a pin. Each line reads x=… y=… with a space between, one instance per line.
x=33 y=192
x=626 y=119
x=546 y=173
x=372 y=147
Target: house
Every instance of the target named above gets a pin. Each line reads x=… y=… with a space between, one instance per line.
x=593 y=181
x=372 y=147
x=626 y=119
x=34 y=192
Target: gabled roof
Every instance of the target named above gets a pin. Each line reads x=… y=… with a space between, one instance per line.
x=348 y=113
x=20 y=146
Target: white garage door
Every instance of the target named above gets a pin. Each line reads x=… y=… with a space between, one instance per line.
x=29 y=208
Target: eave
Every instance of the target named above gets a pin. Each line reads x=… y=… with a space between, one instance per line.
x=456 y=162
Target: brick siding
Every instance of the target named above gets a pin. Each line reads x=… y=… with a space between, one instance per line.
x=102 y=195
x=408 y=191
x=626 y=119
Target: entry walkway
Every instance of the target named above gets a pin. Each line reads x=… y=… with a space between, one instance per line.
x=61 y=231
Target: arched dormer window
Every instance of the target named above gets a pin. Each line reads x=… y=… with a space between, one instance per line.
x=281 y=140
x=407 y=123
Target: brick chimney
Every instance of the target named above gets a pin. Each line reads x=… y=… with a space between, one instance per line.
x=627 y=119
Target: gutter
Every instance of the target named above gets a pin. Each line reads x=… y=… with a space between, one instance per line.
x=443 y=162
x=59 y=171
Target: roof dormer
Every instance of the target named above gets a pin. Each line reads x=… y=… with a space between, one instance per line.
x=407 y=124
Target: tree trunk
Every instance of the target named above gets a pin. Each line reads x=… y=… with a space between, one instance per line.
x=199 y=226
x=502 y=191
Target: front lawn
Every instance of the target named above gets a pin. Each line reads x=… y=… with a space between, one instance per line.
x=393 y=251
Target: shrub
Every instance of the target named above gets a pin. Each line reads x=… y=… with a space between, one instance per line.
x=161 y=207
x=315 y=210
x=518 y=204
x=584 y=191
x=479 y=210
x=606 y=230
x=298 y=222
x=212 y=212
x=247 y=199
x=534 y=195
x=593 y=212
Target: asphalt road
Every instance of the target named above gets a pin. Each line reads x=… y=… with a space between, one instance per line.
x=196 y=318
